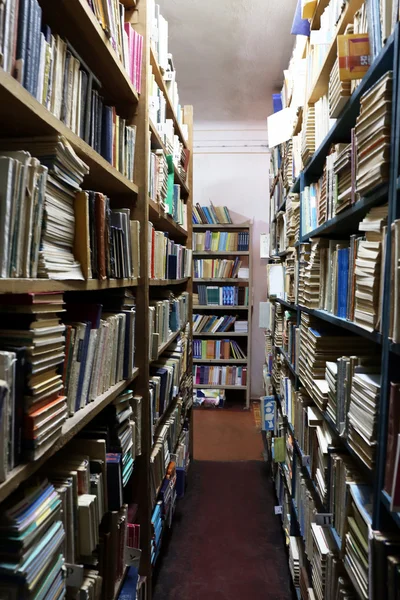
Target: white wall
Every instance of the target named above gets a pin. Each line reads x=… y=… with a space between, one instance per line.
x=231 y=163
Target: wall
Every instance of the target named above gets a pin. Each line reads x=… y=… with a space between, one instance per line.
x=231 y=163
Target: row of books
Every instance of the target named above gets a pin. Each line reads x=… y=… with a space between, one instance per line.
x=166 y=316
x=167 y=259
x=53 y=367
x=128 y=44
x=217 y=349
x=211 y=215
x=219 y=268
x=204 y=375
x=215 y=323
x=225 y=295
x=221 y=241
x=162 y=188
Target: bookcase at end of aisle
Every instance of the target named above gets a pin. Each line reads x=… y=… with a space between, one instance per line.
x=305 y=490
x=23 y=115
x=241 y=312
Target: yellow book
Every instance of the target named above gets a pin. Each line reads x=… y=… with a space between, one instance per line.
x=354 y=55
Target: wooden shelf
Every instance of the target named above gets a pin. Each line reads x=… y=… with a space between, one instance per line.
x=320 y=84
x=373 y=336
x=22 y=286
x=164 y=282
x=161 y=84
x=220 y=334
x=169 y=341
x=77 y=22
x=218 y=361
x=158 y=143
x=23 y=115
x=164 y=221
x=219 y=387
x=71 y=427
x=221 y=226
x=219 y=307
x=222 y=253
x=220 y=280
x=315 y=21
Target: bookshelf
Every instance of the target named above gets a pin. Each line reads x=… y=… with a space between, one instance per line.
x=302 y=406
x=23 y=115
x=242 y=312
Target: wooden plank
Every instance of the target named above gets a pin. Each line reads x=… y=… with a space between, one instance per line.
x=166 y=282
x=71 y=427
x=22 y=286
x=170 y=109
x=22 y=115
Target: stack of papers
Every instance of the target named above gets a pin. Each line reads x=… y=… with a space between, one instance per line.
x=364 y=401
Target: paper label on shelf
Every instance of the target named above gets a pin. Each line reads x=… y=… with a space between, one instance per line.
x=132 y=557
x=278 y=510
x=265 y=315
x=324 y=519
x=280 y=126
x=305 y=460
x=264 y=245
x=267 y=413
x=74 y=575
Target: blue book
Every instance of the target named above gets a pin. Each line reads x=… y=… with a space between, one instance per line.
x=128 y=590
x=277 y=102
x=342 y=283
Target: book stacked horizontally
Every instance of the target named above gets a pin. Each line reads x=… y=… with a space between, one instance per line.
x=304 y=257
x=32 y=563
x=369 y=269
x=358 y=537
x=344 y=471
x=363 y=413
x=372 y=133
x=32 y=349
x=278 y=325
x=343 y=173
x=323 y=199
x=339 y=92
x=66 y=172
x=295 y=559
x=331 y=370
x=312 y=279
x=308 y=135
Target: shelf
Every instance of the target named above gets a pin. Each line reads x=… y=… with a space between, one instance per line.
x=219 y=307
x=80 y=24
x=158 y=143
x=164 y=282
x=209 y=386
x=169 y=107
x=320 y=84
x=164 y=221
x=217 y=361
x=169 y=341
x=220 y=334
x=373 y=336
x=22 y=286
x=284 y=303
x=221 y=253
x=23 y=115
x=220 y=280
x=221 y=226
x=287 y=360
x=71 y=427
x=340 y=132
x=347 y=221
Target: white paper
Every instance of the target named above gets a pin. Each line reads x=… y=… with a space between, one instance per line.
x=264 y=316
x=264 y=245
x=280 y=126
x=275 y=281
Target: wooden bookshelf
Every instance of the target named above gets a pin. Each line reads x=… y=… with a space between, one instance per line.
x=71 y=427
x=244 y=310
x=23 y=116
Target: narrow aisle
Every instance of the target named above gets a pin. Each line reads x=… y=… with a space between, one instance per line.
x=226 y=543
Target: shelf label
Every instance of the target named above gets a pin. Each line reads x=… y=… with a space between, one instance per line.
x=267 y=413
x=305 y=460
x=324 y=519
x=132 y=557
x=74 y=575
x=278 y=510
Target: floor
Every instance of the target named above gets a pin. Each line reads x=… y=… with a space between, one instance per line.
x=226 y=543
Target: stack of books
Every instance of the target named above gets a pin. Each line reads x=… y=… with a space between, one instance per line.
x=372 y=133
x=48 y=220
x=217 y=349
x=220 y=375
x=158 y=177
x=32 y=346
x=212 y=323
x=394 y=331
x=33 y=535
x=363 y=413
x=369 y=269
x=209 y=215
x=339 y=92
x=320 y=558
x=343 y=472
x=359 y=526
x=344 y=183
x=168 y=260
x=225 y=295
x=308 y=135
x=218 y=268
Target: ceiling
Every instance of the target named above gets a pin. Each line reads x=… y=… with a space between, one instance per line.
x=229 y=54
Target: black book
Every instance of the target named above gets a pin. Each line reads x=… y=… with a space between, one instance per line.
x=99 y=122
x=93 y=234
x=22 y=36
x=84 y=90
x=114 y=481
x=172 y=266
x=29 y=44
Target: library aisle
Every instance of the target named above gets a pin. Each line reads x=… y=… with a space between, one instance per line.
x=227 y=543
